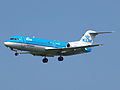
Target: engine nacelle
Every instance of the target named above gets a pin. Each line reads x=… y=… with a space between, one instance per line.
x=88 y=49
x=68 y=45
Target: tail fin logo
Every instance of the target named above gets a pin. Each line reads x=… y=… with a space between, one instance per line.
x=87 y=39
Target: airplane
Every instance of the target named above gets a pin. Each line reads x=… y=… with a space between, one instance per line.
x=51 y=48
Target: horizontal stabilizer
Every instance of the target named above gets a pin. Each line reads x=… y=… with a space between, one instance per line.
x=100 y=32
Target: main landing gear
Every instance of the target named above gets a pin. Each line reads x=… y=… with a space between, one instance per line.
x=60 y=58
x=45 y=60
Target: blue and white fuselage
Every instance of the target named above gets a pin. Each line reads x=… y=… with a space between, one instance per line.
x=33 y=44
x=50 y=48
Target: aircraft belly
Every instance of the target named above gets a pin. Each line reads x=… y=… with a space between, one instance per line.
x=34 y=48
x=43 y=53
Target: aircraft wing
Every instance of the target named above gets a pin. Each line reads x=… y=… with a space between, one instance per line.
x=74 y=48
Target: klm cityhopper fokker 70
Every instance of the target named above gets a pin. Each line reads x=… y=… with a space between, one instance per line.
x=50 y=48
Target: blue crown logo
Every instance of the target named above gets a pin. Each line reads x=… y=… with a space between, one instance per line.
x=87 y=39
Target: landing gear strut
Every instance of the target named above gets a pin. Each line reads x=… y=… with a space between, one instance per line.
x=60 y=58
x=45 y=60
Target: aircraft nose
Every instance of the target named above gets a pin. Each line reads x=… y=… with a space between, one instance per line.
x=7 y=44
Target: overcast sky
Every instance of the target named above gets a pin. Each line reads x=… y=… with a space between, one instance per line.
x=63 y=20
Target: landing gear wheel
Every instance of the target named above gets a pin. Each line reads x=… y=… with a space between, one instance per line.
x=16 y=54
x=45 y=60
x=60 y=58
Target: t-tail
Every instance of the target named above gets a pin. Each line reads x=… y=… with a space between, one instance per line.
x=87 y=38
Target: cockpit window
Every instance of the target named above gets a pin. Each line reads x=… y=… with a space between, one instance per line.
x=14 y=39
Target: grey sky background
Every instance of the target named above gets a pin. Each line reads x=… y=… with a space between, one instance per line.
x=63 y=20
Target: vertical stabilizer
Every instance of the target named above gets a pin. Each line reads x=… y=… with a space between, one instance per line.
x=87 y=38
